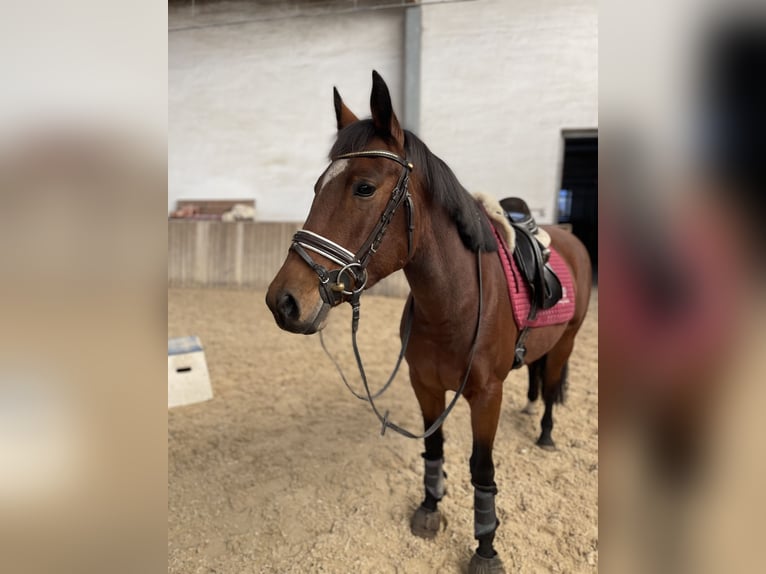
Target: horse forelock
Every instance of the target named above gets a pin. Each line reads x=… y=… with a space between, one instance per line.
x=438 y=179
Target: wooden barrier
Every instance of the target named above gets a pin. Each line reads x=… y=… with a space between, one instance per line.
x=239 y=254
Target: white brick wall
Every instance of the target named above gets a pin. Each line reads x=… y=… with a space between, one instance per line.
x=251 y=105
x=500 y=80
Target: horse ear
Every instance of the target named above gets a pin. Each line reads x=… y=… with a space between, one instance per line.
x=342 y=113
x=383 y=116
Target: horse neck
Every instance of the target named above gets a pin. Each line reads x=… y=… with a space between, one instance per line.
x=440 y=268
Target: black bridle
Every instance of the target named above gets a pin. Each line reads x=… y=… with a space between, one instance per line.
x=350 y=280
x=334 y=289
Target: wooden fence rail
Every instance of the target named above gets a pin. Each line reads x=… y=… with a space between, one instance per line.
x=239 y=254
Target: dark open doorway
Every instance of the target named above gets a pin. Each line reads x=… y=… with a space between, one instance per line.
x=578 y=197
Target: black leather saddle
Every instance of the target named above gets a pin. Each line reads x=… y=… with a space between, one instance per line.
x=532 y=258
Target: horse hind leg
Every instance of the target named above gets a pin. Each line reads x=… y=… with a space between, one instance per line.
x=535 y=373
x=553 y=392
x=555 y=372
x=426 y=519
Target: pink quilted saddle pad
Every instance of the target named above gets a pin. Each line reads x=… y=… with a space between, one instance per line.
x=518 y=292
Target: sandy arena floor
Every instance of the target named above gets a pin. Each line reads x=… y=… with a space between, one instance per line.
x=284 y=471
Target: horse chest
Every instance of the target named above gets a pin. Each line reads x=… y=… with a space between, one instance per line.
x=439 y=360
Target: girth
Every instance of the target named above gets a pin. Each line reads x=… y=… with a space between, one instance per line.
x=351 y=279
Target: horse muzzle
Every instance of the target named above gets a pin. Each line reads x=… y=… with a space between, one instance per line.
x=290 y=315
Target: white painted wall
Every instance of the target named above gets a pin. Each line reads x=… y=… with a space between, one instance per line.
x=250 y=106
x=500 y=80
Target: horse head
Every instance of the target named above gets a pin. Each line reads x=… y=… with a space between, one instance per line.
x=360 y=228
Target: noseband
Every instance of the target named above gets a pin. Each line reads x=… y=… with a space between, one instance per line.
x=350 y=280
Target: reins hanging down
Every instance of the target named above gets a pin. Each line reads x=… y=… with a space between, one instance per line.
x=405 y=342
x=370 y=398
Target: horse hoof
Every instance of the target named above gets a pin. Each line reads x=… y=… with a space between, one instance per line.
x=546 y=442
x=425 y=523
x=481 y=565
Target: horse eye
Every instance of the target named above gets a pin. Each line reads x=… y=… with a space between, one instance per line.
x=364 y=189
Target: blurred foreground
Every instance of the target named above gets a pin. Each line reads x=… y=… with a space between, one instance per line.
x=82 y=278
x=681 y=286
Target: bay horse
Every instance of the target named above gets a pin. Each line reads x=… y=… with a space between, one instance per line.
x=458 y=322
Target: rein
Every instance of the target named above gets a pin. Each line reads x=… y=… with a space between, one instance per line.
x=370 y=398
x=354 y=269
x=405 y=342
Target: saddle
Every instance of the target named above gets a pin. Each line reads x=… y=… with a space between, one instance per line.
x=531 y=256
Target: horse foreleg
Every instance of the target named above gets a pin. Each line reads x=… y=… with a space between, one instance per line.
x=427 y=518
x=485 y=413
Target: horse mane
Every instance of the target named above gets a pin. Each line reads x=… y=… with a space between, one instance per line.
x=471 y=224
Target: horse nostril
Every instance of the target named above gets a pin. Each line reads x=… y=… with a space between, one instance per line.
x=288 y=306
